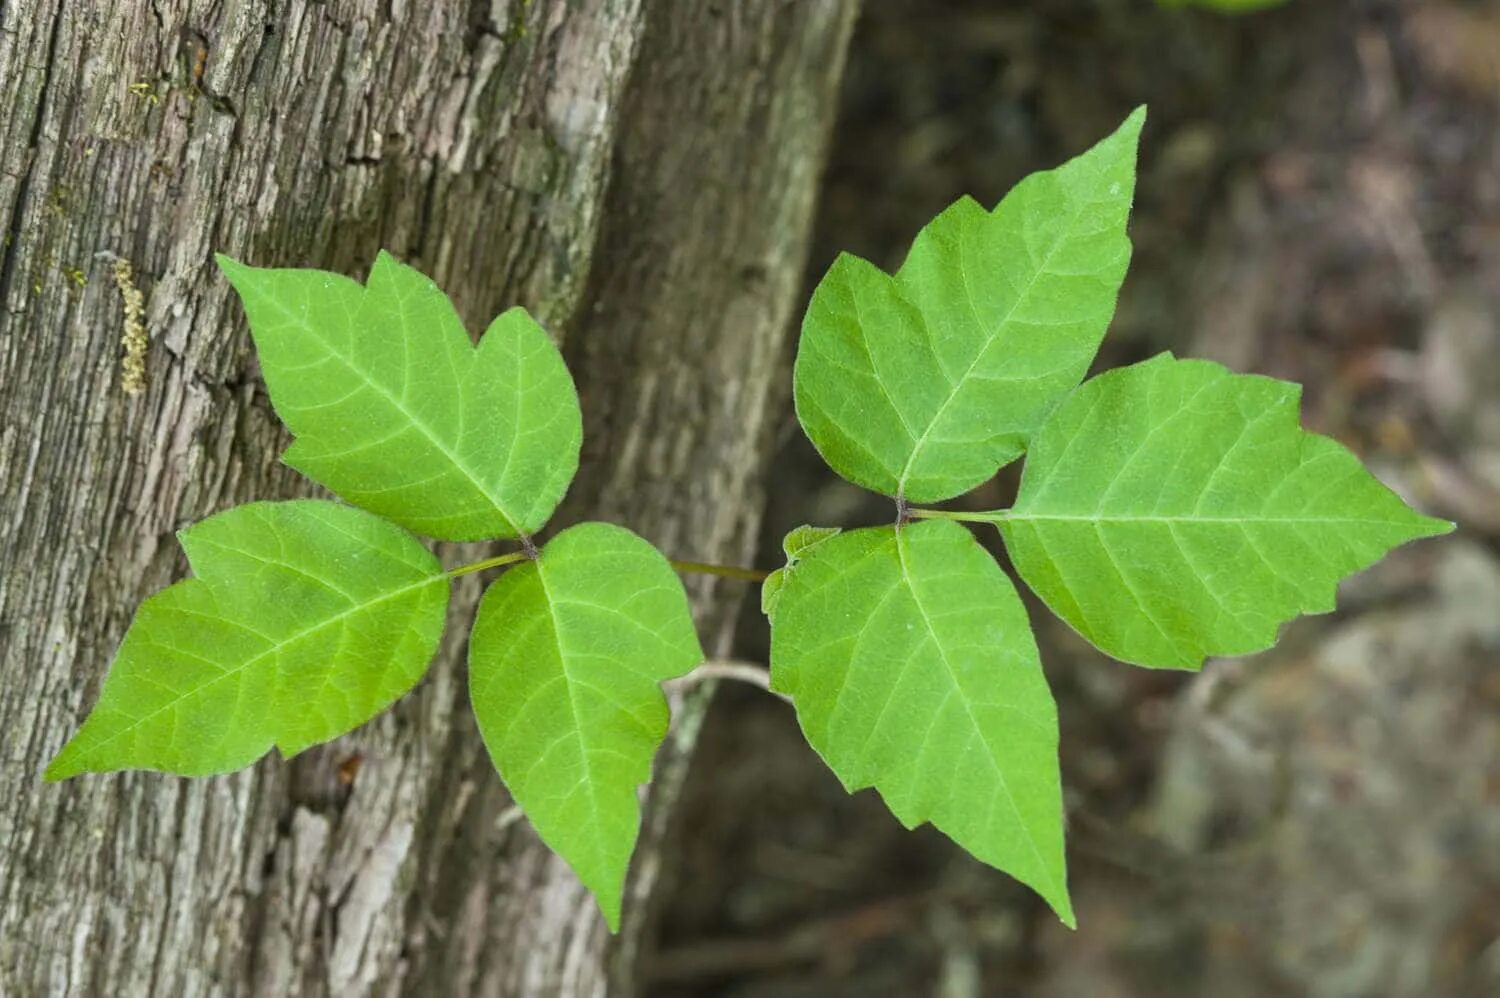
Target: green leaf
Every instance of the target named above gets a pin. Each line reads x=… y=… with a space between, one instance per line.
x=1171 y=510
x=564 y=665
x=803 y=539
x=305 y=619
x=913 y=670
x=797 y=543
x=397 y=411
x=921 y=385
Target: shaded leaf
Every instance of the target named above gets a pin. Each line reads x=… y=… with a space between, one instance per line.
x=1172 y=510
x=304 y=620
x=912 y=667
x=565 y=663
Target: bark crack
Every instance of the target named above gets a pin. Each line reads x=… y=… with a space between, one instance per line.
x=11 y=246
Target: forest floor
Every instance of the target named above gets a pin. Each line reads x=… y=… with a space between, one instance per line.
x=1319 y=201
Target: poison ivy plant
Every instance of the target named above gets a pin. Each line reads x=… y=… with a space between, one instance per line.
x=307 y=618
x=1169 y=511
x=921 y=385
x=913 y=668
x=303 y=620
x=564 y=665
x=396 y=411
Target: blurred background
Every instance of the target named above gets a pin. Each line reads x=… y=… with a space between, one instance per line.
x=1319 y=200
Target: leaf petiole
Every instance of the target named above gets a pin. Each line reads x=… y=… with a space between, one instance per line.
x=723 y=571
x=966 y=516
x=700 y=567
x=509 y=558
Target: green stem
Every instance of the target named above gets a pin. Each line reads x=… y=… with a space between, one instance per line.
x=724 y=571
x=495 y=562
x=986 y=516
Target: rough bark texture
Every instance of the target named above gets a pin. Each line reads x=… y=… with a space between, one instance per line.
x=637 y=172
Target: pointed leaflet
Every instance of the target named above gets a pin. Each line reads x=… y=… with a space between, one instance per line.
x=1172 y=510
x=304 y=620
x=923 y=384
x=913 y=670
x=564 y=665
x=395 y=410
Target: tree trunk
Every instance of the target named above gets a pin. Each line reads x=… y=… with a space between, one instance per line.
x=639 y=173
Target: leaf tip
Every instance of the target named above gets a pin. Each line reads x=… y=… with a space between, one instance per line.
x=385 y=262
x=1057 y=898
x=62 y=767
x=1129 y=132
x=1431 y=526
x=387 y=269
x=611 y=915
x=230 y=267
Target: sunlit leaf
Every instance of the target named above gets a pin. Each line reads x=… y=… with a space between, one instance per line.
x=565 y=663
x=398 y=412
x=303 y=620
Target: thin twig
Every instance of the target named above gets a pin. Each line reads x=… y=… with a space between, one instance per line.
x=744 y=672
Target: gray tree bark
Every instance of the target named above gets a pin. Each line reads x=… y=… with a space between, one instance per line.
x=639 y=173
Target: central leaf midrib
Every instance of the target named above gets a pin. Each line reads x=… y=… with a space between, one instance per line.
x=1014 y=516
x=577 y=725
x=993 y=335
x=401 y=407
x=968 y=710
x=277 y=647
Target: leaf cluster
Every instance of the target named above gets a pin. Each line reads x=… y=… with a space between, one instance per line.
x=1169 y=511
